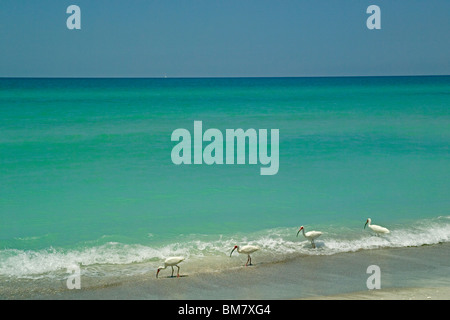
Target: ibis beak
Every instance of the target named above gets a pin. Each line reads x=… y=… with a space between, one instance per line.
x=157 y=272
x=366 y=224
x=298 y=232
x=232 y=251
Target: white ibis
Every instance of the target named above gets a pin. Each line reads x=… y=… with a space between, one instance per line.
x=246 y=250
x=171 y=262
x=310 y=235
x=377 y=229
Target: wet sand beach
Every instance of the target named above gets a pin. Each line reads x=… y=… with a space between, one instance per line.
x=436 y=293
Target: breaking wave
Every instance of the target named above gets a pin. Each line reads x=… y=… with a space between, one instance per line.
x=212 y=252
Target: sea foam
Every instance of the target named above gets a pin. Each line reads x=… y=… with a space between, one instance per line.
x=212 y=252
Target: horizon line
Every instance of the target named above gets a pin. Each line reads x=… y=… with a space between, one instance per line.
x=218 y=77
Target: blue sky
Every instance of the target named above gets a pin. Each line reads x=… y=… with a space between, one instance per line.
x=223 y=38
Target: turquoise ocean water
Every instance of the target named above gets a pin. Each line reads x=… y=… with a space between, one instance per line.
x=87 y=178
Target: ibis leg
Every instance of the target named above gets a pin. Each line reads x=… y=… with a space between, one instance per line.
x=249 y=261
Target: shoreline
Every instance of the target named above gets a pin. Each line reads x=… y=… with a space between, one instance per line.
x=406 y=273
